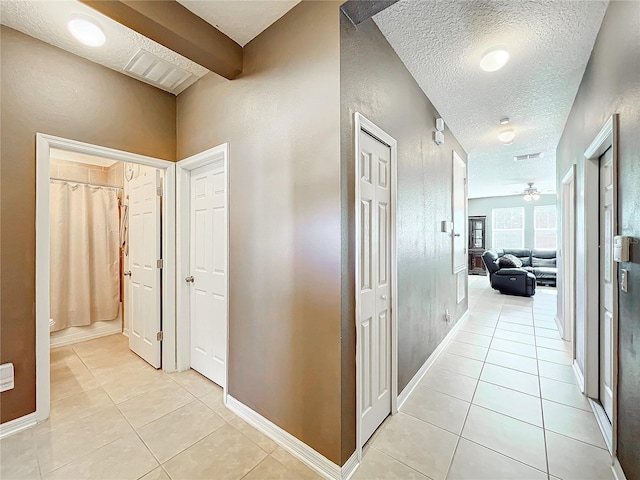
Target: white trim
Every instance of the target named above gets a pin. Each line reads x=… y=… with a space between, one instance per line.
x=605 y=139
x=350 y=466
x=463 y=267
x=618 y=473
x=19 y=424
x=44 y=143
x=579 y=377
x=362 y=123
x=603 y=423
x=303 y=452
x=183 y=219
x=413 y=383
x=566 y=318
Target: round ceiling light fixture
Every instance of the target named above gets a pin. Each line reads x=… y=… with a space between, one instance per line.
x=86 y=31
x=494 y=59
x=507 y=136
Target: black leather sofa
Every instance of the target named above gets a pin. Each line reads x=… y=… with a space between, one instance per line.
x=538 y=267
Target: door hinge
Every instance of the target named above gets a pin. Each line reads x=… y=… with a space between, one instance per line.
x=159 y=263
x=159 y=191
x=159 y=336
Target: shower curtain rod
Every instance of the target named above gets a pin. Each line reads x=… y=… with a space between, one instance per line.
x=86 y=183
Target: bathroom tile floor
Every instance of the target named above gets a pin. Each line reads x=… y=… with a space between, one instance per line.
x=500 y=403
x=115 y=417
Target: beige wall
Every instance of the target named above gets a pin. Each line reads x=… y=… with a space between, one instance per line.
x=281 y=118
x=45 y=89
x=375 y=83
x=611 y=84
x=83 y=172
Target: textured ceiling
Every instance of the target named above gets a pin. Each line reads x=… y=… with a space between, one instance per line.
x=240 y=20
x=550 y=41
x=47 y=21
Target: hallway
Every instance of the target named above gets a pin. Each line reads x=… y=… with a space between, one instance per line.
x=501 y=402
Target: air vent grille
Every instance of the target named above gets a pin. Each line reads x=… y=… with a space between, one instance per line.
x=156 y=71
x=530 y=156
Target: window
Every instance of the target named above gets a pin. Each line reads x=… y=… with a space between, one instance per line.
x=508 y=227
x=544 y=221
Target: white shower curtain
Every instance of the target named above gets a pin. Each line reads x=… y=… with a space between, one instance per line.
x=85 y=270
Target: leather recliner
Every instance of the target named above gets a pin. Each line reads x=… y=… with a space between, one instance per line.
x=512 y=281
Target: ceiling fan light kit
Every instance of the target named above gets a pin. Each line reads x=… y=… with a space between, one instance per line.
x=531 y=193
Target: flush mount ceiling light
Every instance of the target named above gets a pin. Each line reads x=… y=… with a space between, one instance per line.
x=507 y=136
x=531 y=193
x=494 y=59
x=87 y=32
x=504 y=121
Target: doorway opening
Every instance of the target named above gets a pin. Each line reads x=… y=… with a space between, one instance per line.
x=375 y=277
x=597 y=324
x=87 y=199
x=566 y=323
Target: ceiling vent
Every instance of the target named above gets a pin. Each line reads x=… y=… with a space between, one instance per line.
x=530 y=156
x=153 y=70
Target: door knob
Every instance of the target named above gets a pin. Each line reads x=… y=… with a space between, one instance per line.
x=456 y=234
x=383 y=297
x=127 y=273
x=189 y=279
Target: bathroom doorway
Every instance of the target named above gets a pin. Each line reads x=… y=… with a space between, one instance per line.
x=104 y=253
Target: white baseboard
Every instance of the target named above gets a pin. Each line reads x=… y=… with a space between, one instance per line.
x=17 y=425
x=603 y=422
x=617 y=470
x=413 y=383
x=294 y=446
x=560 y=325
x=109 y=328
x=350 y=467
x=579 y=375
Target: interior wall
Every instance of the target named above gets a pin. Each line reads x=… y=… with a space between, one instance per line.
x=48 y=90
x=376 y=83
x=282 y=121
x=483 y=206
x=611 y=84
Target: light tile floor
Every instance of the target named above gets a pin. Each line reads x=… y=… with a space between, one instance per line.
x=501 y=402
x=115 y=417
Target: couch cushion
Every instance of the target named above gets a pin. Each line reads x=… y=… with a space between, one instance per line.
x=543 y=258
x=509 y=261
x=524 y=254
x=545 y=272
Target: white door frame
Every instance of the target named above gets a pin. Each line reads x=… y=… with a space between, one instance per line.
x=605 y=139
x=566 y=323
x=44 y=143
x=183 y=219
x=362 y=123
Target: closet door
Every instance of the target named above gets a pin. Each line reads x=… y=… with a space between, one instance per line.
x=143 y=299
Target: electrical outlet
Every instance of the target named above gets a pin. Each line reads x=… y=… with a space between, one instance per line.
x=447 y=315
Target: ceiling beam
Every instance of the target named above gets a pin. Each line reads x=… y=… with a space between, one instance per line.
x=358 y=10
x=172 y=25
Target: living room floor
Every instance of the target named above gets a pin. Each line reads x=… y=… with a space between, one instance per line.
x=501 y=402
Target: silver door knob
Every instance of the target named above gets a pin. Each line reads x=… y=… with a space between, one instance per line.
x=383 y=297
x=456 y=234
x=189 y=279
x=127 y=273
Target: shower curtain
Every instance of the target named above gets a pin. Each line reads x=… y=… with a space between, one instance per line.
x=84 y=254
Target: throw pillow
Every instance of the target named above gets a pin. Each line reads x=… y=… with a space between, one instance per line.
x=509 y=261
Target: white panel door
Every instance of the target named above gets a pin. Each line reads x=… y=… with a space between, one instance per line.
x=459 y=214
x=143 y=302
x=607 y=273
x=208 y=267
x=375 y=283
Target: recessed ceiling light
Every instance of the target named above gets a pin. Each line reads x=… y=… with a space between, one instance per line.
x=494 y=59
x=507 y=136
x=87 y=32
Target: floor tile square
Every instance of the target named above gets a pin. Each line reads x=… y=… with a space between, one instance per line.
x=451 y=383
x=419 y=445
x=478 y=329
x=516 y=348
x=547 y=332
x=509 y=402
x=555 y=371
x=378 y=466
x=458 y=364
x=570 y=459
x=553 y=344
x=554 y=356
x=472 y=338
x=515 y=362
x=18 y=457
x=436 y=408
x=514 y=336
x=473 y=461
x=508 y=436
x=513 y=379
x=517 y=320
x=572 y=422
x=515 y=327
x=152 y=405
x=467 y=350
x=565 y=393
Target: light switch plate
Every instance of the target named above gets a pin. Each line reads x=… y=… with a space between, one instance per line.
x=624 y=279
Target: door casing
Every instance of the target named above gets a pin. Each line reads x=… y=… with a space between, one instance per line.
x=183 y=218
x=44 y=143
x=362 y=123
x=567 y=302
x=590 y=283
